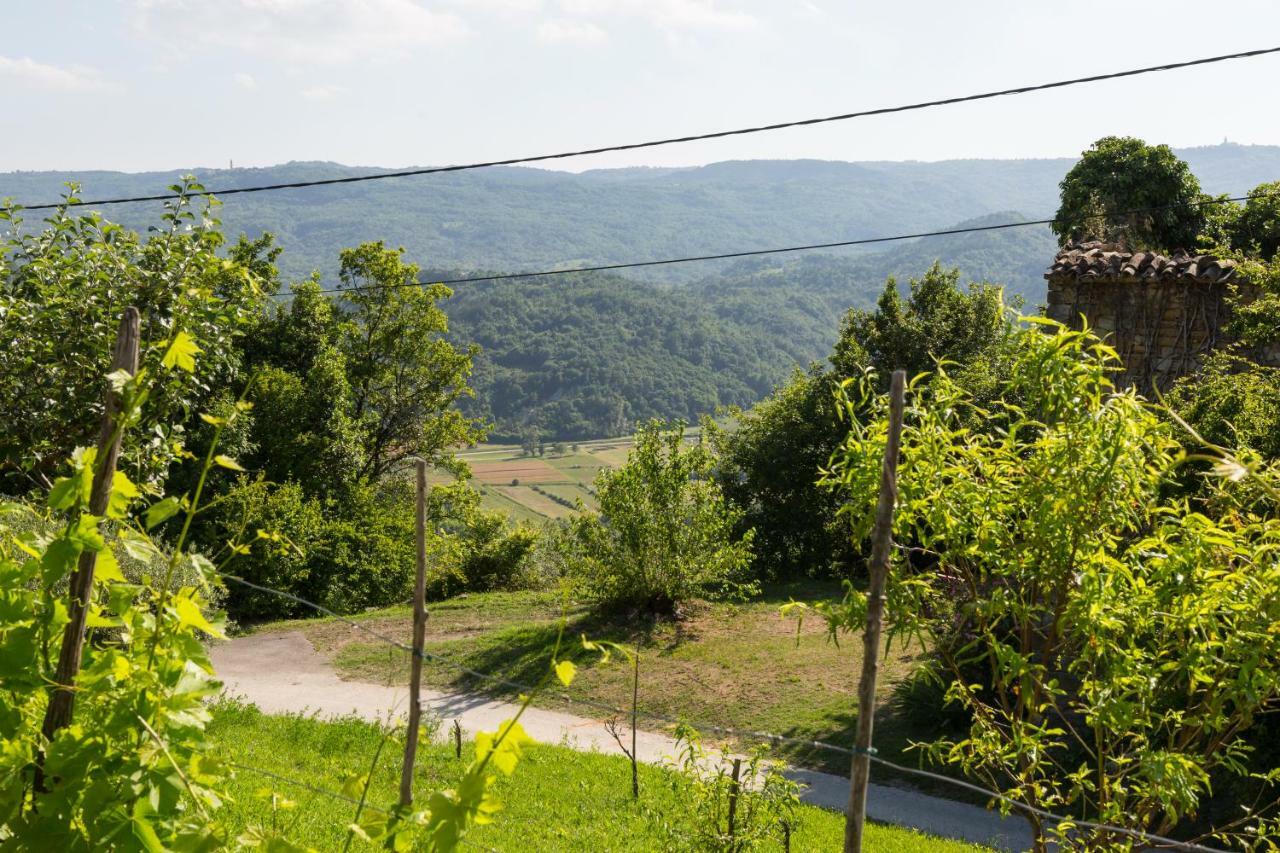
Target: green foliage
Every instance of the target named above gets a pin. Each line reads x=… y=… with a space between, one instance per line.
x=1127 y=643
x=1121 y=174
x=62 y=291
x=131 y=771
x=478 y=551
x=664 y=533
x=938 y=320
x=1256 y=228
x=405 y=376
x=763 y=801
x=345 y=391
x=770 y=464
x=1232 y=402
x=768 y=468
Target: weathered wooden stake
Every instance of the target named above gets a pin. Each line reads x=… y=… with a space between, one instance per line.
x=457 y=739
x=878 y=571
x=62 y=702
x=419 y=638
x=635 y=711
x=734 y=786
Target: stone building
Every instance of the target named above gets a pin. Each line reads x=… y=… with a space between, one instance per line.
x=1162 y=314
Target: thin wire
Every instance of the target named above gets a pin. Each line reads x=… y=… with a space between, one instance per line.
x=720 y=134
x=746 y=734
x=781 y=250
x=1102 y=827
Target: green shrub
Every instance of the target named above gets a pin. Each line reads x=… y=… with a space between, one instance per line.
x=764 y=801
x=664 y=533
x=1124 y=642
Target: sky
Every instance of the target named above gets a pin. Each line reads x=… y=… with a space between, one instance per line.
x=137 y=85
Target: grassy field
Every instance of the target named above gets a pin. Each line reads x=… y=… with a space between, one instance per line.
x=557 y=799
x=737 y=666
x=506 y=477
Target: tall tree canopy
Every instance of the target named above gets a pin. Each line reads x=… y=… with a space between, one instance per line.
x=770 y=465
x=1119 y=174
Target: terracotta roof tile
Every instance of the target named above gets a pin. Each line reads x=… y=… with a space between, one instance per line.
x=1096 y=260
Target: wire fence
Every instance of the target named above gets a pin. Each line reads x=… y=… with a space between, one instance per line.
x=743 y=734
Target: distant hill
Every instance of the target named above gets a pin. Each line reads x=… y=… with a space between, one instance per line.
x=588 y=355
x=520 y=218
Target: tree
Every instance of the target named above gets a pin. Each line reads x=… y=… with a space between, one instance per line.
x=1112 y=648
x=769 y=465
x=63 y=289
x=938 y=320
x=1256 y=229
x=664 y=533
x=343 y=392
x=1120 y=174
x=406 y=376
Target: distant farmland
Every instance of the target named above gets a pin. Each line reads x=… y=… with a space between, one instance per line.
x=538 y=489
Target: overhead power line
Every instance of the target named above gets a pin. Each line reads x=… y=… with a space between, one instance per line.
x=972 y=229
x=676 y=140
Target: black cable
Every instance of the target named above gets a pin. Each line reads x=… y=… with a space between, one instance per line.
x=720 y=134
x=781 y=250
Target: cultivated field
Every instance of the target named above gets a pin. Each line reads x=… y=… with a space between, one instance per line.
x=536 y=489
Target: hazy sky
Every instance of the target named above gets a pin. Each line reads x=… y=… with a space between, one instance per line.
x=152 y=84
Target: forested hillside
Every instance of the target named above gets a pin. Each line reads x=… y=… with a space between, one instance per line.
x=593 y=355
x=518 y=218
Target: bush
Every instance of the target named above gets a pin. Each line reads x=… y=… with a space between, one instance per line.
x=363 y=557
x=1124 y=642
x=664 y=532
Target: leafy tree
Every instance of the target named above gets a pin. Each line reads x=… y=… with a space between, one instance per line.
x=1256 y=229
x=405 y=375
x=1119 y=174
x=1125 y=643
x=769 y=465
x=62 y=291
x=664 y=533
x=938 y=320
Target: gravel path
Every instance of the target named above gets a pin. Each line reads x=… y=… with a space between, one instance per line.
x=282 y=673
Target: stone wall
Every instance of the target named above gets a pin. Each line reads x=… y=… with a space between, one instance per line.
x=1162 y=329
x=1162 y=313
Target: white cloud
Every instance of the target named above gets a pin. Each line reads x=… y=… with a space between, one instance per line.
x=557 y=31
x=668 y=14
x=245 y=81
x=500 y=5
x=311 y=31
x=63 y=78
x=322 y=93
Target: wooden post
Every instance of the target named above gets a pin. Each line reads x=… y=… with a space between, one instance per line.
x=419 y=637
x=457 y=739
x=878 y=570
x=62 y=702
x=734 y=785
x=635 y=699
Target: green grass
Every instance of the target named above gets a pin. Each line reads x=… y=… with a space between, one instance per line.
x=493 y=500
x=736 y=666
x=557 y=799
